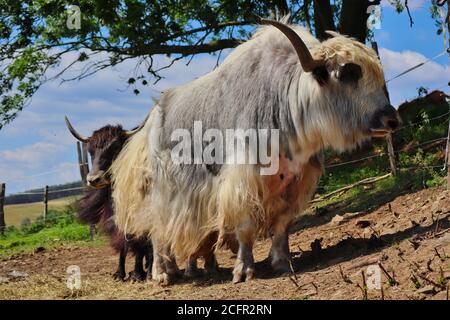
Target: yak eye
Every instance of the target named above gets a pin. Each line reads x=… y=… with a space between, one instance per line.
x=349 y=73
x=321 y=75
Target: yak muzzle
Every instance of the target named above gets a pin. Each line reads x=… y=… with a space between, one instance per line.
x=97 y=180
x=384 y=122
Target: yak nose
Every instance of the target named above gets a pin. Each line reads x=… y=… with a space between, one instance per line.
x=386 y=119
x=94 y=179
x=391 y=123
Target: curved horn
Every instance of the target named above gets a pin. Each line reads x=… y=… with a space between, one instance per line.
x=307 y=61
x=74 y=132
x=131 y=133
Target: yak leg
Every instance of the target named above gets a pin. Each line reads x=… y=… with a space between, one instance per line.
x=159 y=269
x=279 y=253
x=120 y=273
x=138 y=274
x=211 y=265
x=171 y=264
x=149 y=257
x=245 y=263
x=191 y=270
x=165 y=267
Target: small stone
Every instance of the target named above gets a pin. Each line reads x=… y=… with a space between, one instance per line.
x=4 y=280
x=17 y=274
x=337 y=219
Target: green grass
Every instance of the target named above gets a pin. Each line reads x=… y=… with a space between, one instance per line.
x=47 y=238
x=411 y=153
x=60 y=228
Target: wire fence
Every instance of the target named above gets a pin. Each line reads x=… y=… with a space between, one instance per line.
x=382 y=154
x=49 y=192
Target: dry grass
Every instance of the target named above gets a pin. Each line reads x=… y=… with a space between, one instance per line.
x=409 y=236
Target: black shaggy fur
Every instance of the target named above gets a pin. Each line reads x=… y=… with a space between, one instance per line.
x=96 y=206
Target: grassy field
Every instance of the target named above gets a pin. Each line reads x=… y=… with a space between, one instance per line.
x=14 y=214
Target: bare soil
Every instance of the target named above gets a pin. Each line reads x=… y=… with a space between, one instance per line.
x=409 y=236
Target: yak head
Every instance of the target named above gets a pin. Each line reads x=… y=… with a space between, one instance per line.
x=104 y=145
x=341 y=91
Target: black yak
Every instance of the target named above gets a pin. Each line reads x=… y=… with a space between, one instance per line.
x=96 y=205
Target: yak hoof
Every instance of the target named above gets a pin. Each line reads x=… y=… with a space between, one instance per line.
x=119 y=276
x=242 y=272
x=136 y=276
x=282 y=266
x=213 y=271
x=193 y=273
x=163 y=279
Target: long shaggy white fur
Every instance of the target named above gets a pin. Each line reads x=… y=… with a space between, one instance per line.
x=181 y=206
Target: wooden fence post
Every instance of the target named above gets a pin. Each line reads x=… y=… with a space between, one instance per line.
x=2 y=210
x=81 y=164
x=448 y=148
x=390 y=144
x=45 y=203
x=85 y=159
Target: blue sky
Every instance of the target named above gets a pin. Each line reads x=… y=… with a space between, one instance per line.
x=36 y=149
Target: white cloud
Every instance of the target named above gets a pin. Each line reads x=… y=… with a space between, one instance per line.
x=32 y=153
x=38 y=141
x=432 y=75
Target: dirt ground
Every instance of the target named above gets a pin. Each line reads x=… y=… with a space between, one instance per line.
x=409 y=237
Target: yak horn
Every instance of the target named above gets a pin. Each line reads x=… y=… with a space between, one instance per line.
x=131 y=133
x=74 y=132
x=306 y=60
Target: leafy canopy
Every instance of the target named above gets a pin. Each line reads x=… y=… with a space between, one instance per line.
x=34 y=35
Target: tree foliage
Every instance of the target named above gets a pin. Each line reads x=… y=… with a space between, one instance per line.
x=34 y=35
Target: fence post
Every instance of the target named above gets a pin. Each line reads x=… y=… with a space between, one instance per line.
x=2 y=210
x=85 y=169
x=85 y=159
x=390 y=144
x=447 y=149
x=45 y=203
x=80 y=163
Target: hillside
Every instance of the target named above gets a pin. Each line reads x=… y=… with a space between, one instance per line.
x=16 y=213
x=36 y=195
x=408 y=236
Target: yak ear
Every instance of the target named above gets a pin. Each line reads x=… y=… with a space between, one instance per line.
x=321 y=75
x=349 y=73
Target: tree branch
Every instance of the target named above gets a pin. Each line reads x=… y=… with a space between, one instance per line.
x=185 y=50
x=207 y=28
x=411 y=22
